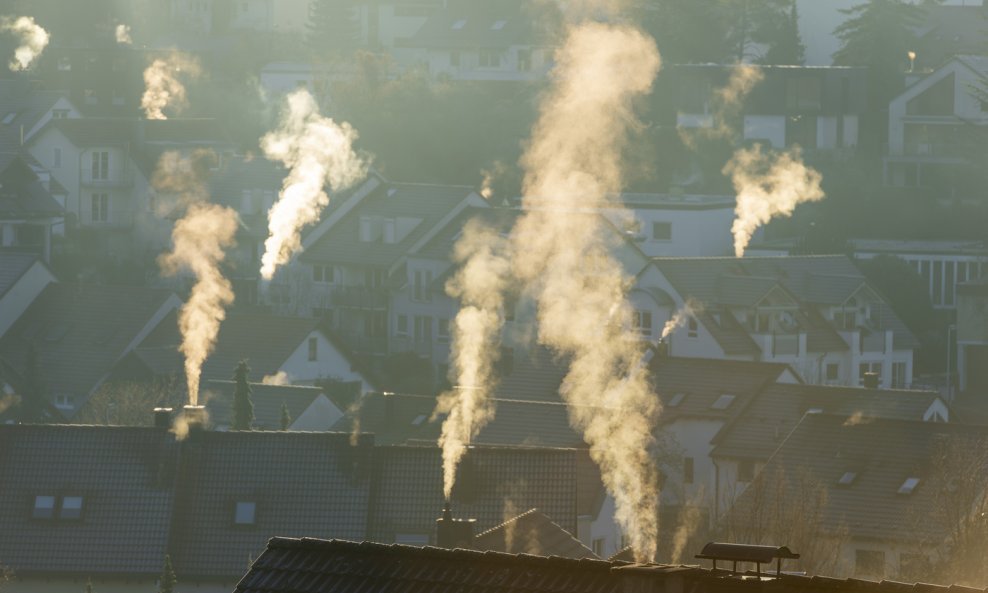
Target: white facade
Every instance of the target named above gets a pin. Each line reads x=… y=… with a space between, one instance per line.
x=678 y=225
x=308 y=363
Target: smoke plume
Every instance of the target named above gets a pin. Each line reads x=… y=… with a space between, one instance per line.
x=768 y=185
x=690 y=308
x=199 y=240
x=725 y=106
x=122 y=33
x=279 y=378
x=317 y=151
x=163 y=86
x=32 y=38
x=479 y=285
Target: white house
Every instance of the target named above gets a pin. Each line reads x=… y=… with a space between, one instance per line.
x=677 y=225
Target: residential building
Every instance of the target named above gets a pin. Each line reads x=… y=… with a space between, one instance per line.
x=101 y=79
x=392 y=23
x=27 y=108
x=677 y=225
x=887 y=494
x=23 y=276
x=818 y=108
x=816 y=313
x=31 y=207
x=108 y=503
x=79 y=332
x=972 y=340
x=944 y=265
x=308 y=408
x=936 y=129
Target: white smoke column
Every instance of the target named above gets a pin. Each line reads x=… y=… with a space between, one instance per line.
x=122 y=33
x=163 y=86
x=574 y=161
x=690 y=308
x=317 y=151
x=32 y=38
x=279 y=378
x=768 y=186
x=479 y=285
x=200 y=241
x=725 y=107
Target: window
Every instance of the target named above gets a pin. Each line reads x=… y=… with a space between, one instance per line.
x=44 y=507
x=9 y=118
x=65 y=64
x=56 y=158
x=324 y=274
x=676 y=400
x=833 y=371
x=524 y=60
x=459 y=24
x=489 y=59
x=723 y=402
x=641 y=322
x=847 y=478
x=662 y=231
x=442 y=331
x=908 y=486
x=421 y=284
x=898 y=375
x=687 y=470
x=869 y=563
x=846 y=320
x=244 y=513
x=692 y=327
x=869 y=367
x=803 y=93
x=746 y=470
x=101 y=165
x=401 y=325
x=59 y=113
x=71 y=508
x=423 y=328
x=101 y=208
x=313 y=349
x=598 y=546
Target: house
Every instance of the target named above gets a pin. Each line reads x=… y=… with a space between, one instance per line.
x=79 y=333
x=678 y=225
x=819 y=108
x=27 y=108
x=308 y=408
x=31 y=206
x=816 y=313
x=102 y=77
x=972 y=339
x=742 y=447
x=889 y=493
x=936 y=126
x=289 y=350
x=107 y=503
x=22 y=278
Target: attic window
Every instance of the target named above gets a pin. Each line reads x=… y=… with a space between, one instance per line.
x=723 y=402
x=848 y=478
x=244 y=513
x=71 y=508
x=459 y=24
x=498 y=25
x=676 y=400
x=419 y=420
x=908 y=486
x=44 y=507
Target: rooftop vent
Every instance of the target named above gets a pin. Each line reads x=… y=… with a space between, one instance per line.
x=756 y=555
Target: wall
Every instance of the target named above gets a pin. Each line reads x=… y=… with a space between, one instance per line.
x=695 y=232
x=319 y=416
x=329 y=363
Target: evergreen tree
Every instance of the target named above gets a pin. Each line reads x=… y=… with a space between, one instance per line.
x=243 y=409
x=89 y=586
x=332 y=27
x=286 y=418
x=779 y=30
x=167 y=580
x=33 y=392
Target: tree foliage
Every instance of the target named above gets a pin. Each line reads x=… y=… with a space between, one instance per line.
x=243 y=408
x=167 y=581
x=286 y=417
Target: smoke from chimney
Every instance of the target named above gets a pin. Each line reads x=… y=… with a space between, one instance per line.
x=690 y=308
x=32 y=39
x=768 y=186
x=317 y=150
x=122 y=34
x=163 y=86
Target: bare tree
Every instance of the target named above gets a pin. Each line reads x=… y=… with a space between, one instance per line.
x=129 y=403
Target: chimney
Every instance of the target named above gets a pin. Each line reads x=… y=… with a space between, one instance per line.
x=871 y=380
x=195 y=418
x=453 y=533
x=163 y=418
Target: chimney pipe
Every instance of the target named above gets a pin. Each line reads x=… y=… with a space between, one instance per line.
x=163 y=418
x=453 y=533
x=195 y=418
x=871 y=380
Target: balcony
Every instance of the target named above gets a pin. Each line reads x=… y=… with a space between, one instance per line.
x=360 y=297
x=118 y=179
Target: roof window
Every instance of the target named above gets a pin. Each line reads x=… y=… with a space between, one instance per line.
x=848 y=478
x=419 y=420
x=459 y=24
x=244 y=514
x=71 y=508
x=676 y=400
x=723 y=402
x=44 y=507
x=498 y=25
x=909 y=485
x=7 y=119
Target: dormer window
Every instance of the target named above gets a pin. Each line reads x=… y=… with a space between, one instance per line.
x=909 y=485
x=245 y=513
x=44 y=507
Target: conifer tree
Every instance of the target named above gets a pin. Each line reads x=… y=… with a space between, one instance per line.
x=286 y=418
x=332 y=27
x=243 y=409
x=168 y=580
x=33 y=395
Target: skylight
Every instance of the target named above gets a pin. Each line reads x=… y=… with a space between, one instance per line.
x=498 y=25
x=71 y=508
x=44 y=507
x=723 y=402
x=244 y=514
x=908 y=486
x=459 y=24
x=419 y=420
x=676 y=400
x=848 y=478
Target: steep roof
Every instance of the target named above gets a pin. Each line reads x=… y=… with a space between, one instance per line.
x=776 y=410
x=81 y=330
x=496 y=24
x=532 y=533
x=301 y=484
x=13 y=265
x=418 y=207
x=26 y=105
x=881 y=454
x=22 y=194
x=267 y=400
x=408 y=482
x=128 y=498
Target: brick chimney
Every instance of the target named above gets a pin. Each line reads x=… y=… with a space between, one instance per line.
x=195 y=419
x=453 y=533
x=163 y=418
